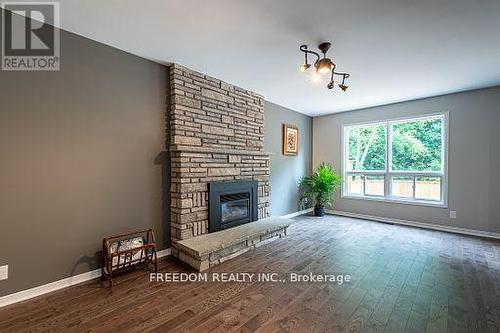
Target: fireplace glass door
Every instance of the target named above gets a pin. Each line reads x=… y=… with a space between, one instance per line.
x=234 y=207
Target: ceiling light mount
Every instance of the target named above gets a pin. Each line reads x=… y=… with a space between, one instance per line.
x=324 y=47
x=323 y=65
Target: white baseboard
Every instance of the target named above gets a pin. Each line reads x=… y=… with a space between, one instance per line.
x=302 y=212
x=457 y=230
x=60 y=284
x=72 y=280
x=163 y=253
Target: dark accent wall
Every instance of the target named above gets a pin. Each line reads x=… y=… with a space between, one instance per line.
x=286 y=170
x=80 y=159
x=83 y=156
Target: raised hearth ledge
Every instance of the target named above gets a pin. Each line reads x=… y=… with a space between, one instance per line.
x=211 y=249
x=199 y=149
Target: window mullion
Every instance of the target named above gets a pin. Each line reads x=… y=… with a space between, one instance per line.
x=389 y=146
x=414 y=186
x=388 y=159
x=442 y=189
x=364 y=184
x=345 y=157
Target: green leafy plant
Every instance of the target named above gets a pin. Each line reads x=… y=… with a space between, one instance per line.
x=319 y=189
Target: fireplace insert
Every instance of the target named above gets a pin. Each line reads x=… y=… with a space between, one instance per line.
x=231 y=204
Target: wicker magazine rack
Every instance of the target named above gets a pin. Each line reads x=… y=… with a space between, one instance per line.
x=127 y=251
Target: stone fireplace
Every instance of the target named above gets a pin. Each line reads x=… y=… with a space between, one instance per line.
x=215 y=133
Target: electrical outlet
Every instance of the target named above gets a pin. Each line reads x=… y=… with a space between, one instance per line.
x=453 y=214
x=4 y=272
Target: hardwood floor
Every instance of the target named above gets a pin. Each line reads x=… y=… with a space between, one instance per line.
x=402 y=280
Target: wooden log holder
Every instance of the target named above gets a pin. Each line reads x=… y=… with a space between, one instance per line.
x=117 y=260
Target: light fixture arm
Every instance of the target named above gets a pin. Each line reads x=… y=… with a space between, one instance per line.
x=340 y=74
x=333 y=73
x=304 y=49
x=344 y=75
x=331 y=84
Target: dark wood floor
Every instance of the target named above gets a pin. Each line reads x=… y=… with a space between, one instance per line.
x=403 y=280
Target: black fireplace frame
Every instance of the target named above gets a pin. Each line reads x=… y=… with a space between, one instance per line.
x=217 y=189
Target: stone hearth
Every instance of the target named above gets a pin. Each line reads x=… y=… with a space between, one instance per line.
x=211 y=249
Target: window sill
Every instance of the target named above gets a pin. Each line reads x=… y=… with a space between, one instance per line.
x=398 y=201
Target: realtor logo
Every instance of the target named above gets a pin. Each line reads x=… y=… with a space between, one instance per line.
x=30 y=41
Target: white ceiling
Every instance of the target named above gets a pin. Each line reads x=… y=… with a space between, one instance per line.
x=395 y=50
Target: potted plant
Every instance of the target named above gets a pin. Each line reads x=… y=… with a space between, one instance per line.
x=319 y=189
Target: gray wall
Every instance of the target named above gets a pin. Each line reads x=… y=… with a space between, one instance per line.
x=286 y=170
x=474 y=158
x=79 y=160
x=83 y=157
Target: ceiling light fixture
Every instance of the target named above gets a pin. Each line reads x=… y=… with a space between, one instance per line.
x=323 y=65
x=304 y=67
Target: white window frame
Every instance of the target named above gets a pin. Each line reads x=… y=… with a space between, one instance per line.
x=388 y=173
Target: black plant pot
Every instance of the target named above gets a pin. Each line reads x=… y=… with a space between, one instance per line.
x=319 y=211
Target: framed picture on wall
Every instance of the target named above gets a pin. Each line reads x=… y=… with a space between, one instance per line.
x=290 y=139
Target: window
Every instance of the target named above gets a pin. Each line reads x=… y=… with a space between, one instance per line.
x=397 y=160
